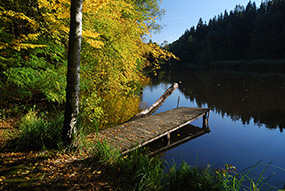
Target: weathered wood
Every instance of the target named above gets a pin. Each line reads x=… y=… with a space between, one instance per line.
x=192 y=133
x=134 y=134
x=156 y=104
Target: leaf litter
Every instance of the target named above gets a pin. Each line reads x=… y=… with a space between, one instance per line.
x=47 y=169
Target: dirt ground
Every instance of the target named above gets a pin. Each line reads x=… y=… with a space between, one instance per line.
x=46 y=169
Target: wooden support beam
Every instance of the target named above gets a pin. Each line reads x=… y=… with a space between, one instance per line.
x=178 y=142
x=206 y=120
x=168 y=138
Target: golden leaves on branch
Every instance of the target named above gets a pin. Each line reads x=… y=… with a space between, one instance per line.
x=154 y=54
x=9 y=16
x=90 y=37
x=90 y=6
x=17 y=43
x=56 y=16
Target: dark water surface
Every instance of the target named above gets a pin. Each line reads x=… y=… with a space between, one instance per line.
x=247 y=119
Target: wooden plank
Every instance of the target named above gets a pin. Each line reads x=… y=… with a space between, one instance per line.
x=134 y=133
x=114 y=143
x=137 y=133
x=195 y=113
x=129 y=136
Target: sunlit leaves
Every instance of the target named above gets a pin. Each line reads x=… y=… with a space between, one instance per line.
x=154 y=55
x=18 y=43
x=55 y=17
x=11 y=16
x=90 y=38
x=113 y=70
x=8 y=17
x=112 y=57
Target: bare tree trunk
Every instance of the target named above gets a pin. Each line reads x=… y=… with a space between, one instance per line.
x=73 y=69
x=157 y=104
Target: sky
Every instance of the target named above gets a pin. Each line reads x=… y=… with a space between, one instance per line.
x=183 y=14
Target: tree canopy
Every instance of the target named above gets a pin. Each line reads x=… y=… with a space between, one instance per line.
x=33 y=53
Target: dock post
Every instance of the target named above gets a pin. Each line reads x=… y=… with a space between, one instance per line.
x=206 y=120
x=168 y=138
x=178 y=101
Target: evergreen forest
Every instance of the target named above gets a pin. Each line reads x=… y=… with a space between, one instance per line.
x=244 y=34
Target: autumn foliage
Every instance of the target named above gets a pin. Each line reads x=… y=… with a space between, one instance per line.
x=33 y=54
x=33 y=66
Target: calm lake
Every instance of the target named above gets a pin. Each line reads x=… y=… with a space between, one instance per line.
x=247 y=119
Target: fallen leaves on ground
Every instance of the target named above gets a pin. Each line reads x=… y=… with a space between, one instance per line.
x=47 y=170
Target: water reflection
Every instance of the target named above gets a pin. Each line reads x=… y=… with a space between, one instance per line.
x=243 y=97
x=176 y=138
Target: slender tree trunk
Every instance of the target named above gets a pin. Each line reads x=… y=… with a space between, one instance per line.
x=73 y=69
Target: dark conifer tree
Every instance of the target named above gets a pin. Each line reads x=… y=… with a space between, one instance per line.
x=243 y=33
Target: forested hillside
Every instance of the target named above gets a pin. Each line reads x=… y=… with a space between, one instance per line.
x=245 y=33
x=33 y=54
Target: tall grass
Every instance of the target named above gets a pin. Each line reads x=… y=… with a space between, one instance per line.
x=232 y=180
x=192 y=178
x=138 y=171
x=135 y=171
x=37 y=131
x=145 y=172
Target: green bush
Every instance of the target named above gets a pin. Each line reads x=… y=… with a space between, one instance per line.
x=35 y=73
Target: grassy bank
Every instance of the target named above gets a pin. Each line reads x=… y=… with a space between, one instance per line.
x=32 y=158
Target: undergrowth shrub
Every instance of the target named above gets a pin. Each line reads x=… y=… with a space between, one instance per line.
x=39 y=132
x=34 y=74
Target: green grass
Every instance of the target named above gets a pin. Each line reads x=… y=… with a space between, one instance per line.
x=135 y=171
x=188 y=177
x=37 y=131
x=138 y=171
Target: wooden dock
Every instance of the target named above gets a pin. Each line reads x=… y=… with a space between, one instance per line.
x=134 y=134
x=178 y=137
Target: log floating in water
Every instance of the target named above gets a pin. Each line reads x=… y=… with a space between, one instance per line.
x=156 y=104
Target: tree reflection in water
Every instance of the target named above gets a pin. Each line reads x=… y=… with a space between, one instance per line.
x=241 y=96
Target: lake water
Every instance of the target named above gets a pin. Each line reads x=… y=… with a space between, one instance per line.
x=247 y=119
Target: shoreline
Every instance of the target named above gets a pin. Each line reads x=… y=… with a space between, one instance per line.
x=259 y=65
